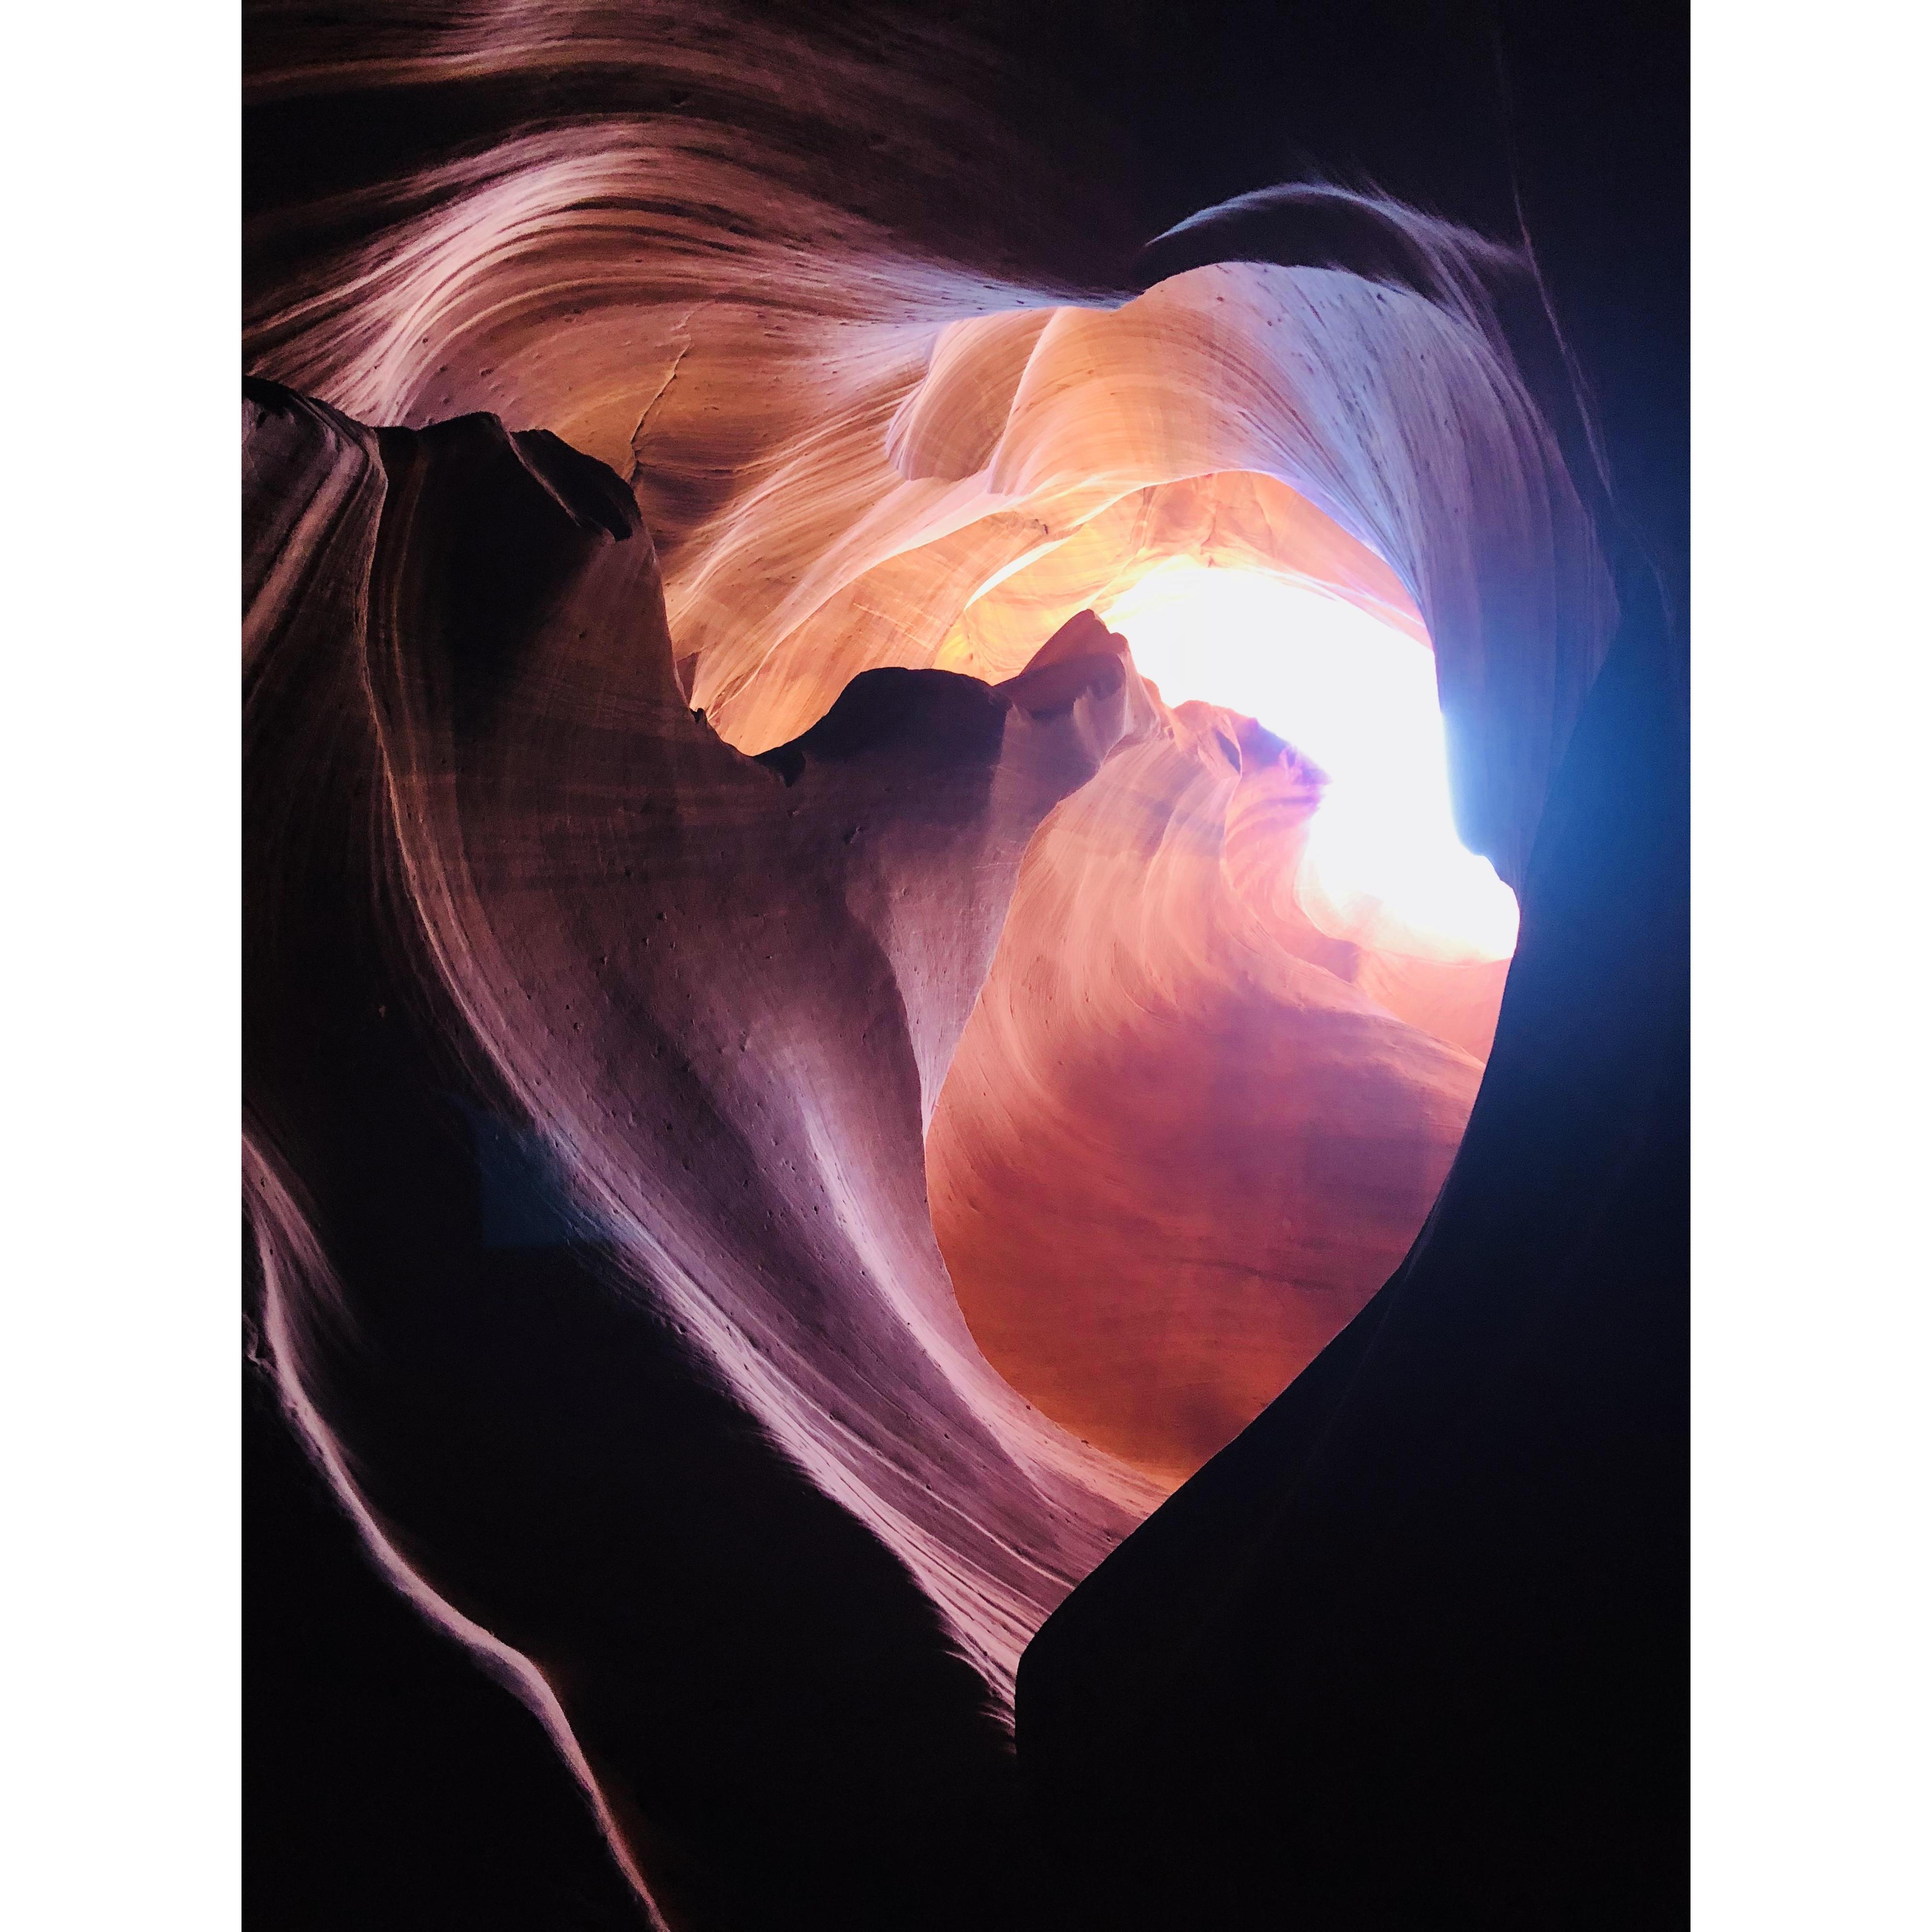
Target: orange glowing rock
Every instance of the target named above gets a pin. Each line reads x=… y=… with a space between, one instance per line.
x=1187 y=1134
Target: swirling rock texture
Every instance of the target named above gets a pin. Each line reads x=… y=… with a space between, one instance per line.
x=735 y=1145
x=1181 y=1145
x=791 y=1098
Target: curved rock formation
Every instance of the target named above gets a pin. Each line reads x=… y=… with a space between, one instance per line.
x=588 y=1058
x=1181 y=1145
x=668 y=656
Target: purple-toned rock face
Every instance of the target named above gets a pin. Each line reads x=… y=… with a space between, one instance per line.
x=621 y=1084
x=792 y=1098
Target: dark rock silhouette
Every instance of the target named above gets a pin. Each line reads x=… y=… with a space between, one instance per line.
x=1411 y=1650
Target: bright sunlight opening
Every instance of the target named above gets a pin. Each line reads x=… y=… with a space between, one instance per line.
x=1358 y=697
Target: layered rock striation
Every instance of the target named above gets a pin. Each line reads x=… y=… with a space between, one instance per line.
x=792 y=1098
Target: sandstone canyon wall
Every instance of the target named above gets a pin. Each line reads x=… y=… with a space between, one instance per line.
x=792 y=1097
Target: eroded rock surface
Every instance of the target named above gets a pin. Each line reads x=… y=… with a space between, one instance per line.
x=589 y=1060
x=593 y=1045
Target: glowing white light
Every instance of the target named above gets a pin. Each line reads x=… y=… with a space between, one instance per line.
x=1358 y=697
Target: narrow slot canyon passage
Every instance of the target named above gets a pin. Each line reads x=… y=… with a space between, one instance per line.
x=960 y=962
x=991 y=1075
x=1233 y=1027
